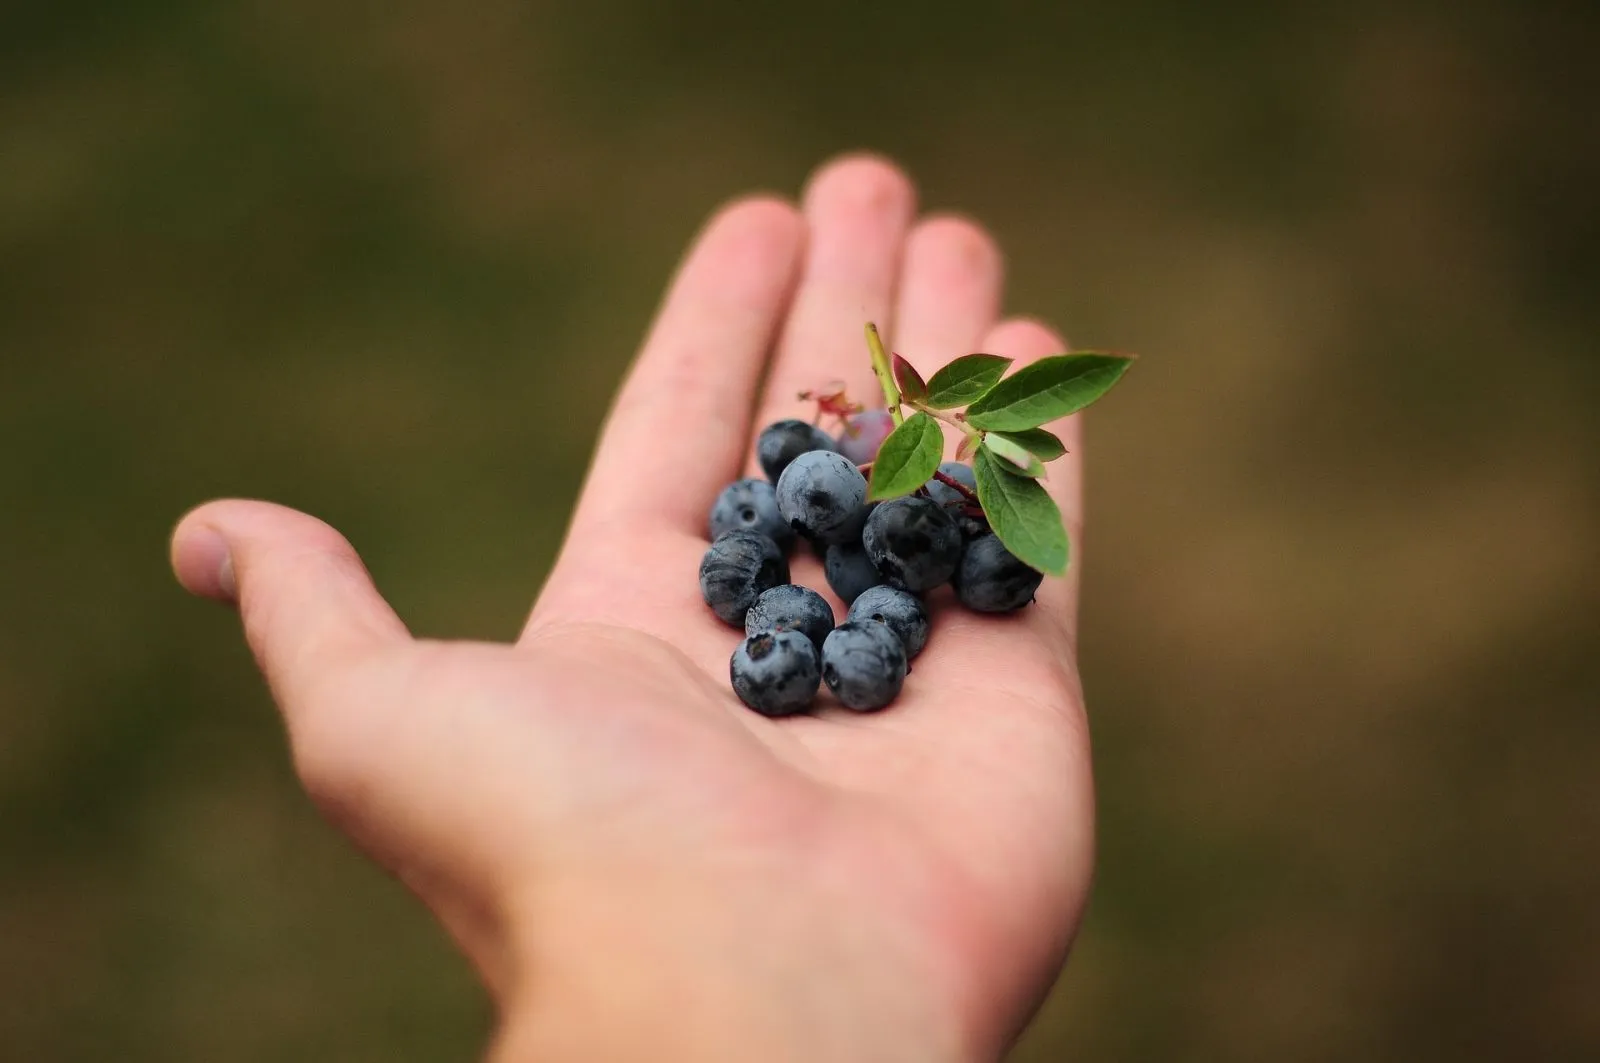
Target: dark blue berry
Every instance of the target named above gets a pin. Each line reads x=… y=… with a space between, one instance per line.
x=914 y=542
x=953 y=501
x=946 y=495
x=863 y=434
x=864 y=664
x=903 y=611
x=851 y=530
x=775 y=672
x=753 y=506
x=990 y=579
x=849 y=571
x=791 y=608
x=822 y=494
x=783 y=441
x=737 y=567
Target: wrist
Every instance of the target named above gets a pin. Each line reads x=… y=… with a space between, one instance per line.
x=653 y=972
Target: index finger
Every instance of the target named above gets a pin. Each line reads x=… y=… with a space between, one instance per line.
x=681 y=423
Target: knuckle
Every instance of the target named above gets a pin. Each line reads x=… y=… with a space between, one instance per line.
x=335 y=747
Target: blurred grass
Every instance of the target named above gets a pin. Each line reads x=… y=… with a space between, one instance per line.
x=1341 y=576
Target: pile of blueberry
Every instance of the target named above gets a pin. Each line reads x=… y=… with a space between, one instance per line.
x=879 y=558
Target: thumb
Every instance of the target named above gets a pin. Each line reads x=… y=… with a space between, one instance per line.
x=308 y=605
x=313 y=618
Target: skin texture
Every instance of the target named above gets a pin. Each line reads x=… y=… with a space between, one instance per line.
x=864 y=664
x=991 y=580
x=849 y=571
x=639 y=866
x=791 y=608
x=783 y=441
x=914 y=542
x=823 y=496
x=736 y=569
x=751 y=505
x=904 y=612
x=776 y=673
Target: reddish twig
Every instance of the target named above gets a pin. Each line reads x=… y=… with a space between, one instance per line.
x=952 y=482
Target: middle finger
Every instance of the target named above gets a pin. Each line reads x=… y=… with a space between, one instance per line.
x=859 y=210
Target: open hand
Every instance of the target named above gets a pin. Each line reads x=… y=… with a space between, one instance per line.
x=638 y=865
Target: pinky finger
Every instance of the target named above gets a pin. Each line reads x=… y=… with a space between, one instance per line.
x=1025 y=340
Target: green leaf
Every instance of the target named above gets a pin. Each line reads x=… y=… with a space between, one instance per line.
x=1049 y=388
x=964 y=380
x=1036 y=441
x=1019 y=458
x=907 y=459
x=1020 y=512
x=912 y=389
x=969 y=443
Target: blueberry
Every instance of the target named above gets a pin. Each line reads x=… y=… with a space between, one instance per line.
x=902 y=611
x=783 y=441
x=960 y=470
x=791 y=608
x=736 y=569
x=849 y=571
x=864 y=664
x=821 y=494
x=751 y=505
x=970 y=527
x=850 y=531
x=863 y=433
x=946 y=495
x=990 y=579
x=775 y=672
x=914 y=542
x=953 y=501
x=850 y=534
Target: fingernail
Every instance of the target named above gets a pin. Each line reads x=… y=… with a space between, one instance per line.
x=206 y=565
x=225 y=578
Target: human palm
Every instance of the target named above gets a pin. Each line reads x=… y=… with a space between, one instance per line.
x=599 y=822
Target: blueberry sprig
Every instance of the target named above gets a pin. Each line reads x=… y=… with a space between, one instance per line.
x=1001 y=422
x=989 y=529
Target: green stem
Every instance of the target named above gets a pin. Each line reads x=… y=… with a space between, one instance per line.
x=952 y=419
x=884 y=372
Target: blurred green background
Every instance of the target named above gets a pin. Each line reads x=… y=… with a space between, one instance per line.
x=1341 y=642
